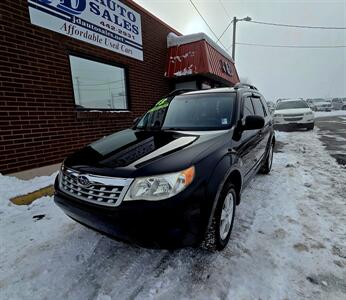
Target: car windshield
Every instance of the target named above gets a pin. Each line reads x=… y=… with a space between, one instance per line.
x=209 y=111
x=291 y=105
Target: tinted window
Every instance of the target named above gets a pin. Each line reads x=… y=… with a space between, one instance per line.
x=191 y=112
x=291 y=105
x=200 y=111
x=259 y=111
x=248 y=108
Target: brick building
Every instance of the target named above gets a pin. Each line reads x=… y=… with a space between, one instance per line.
x=63 y=87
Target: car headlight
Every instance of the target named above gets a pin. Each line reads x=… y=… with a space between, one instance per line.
x=160 y=187
x=61 y=170
x=277 y=115
x=309 y=113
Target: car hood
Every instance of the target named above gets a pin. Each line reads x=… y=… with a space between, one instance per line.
x=292 y=111
x=133 y=153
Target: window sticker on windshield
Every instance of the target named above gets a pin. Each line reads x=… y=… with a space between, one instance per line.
x=159 y=105
x=224 y=121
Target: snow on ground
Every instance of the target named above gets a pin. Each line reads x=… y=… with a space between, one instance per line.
x=288 y=242
x=334 y=113
x=11 y=186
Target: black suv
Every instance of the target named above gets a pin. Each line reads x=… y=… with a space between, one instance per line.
x=175 y=178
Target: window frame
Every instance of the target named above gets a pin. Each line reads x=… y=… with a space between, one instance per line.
x=245 y=96
x=102 y=61
x=265 y=107
x=258 y=98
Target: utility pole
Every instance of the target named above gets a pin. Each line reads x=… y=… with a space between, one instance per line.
x=234 y=33
x=235 y=20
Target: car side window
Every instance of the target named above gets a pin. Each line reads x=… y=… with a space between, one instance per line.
x=265 y=106
x=259 y=110
x=248 y=107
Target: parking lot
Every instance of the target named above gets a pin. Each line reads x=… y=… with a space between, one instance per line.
x=288 y=240
x=333 y=135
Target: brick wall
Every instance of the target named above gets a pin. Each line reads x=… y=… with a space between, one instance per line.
x=38 y=121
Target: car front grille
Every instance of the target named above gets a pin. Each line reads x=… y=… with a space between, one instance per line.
x=293 y=119
x=107 y=191
x=293 y=115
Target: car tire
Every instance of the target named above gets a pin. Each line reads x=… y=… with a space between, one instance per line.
x=266 y=168
x=219 y=232
x=310 y=127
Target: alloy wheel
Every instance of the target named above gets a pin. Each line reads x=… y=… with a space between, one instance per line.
x=226 y=216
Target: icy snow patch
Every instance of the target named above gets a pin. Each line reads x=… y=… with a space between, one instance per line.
x=325 y=114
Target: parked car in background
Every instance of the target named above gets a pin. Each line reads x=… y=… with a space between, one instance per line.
x=293 y=113
x=339 y=103
x=175 y=178
x=319 y=104
x=271 y=106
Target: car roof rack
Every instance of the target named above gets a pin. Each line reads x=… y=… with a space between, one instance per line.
x=242 y=85
x=290 y=99
x=179 y=92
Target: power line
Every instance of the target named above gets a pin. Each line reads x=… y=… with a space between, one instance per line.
x=224 y=8
x=229 y=17
x=293 y=46
x=295 y=26
x=224 y=31
x=206 y=23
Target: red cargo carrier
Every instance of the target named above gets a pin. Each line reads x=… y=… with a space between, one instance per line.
x=196 y=55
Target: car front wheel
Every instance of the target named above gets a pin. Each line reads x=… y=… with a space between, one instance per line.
x=220 y=230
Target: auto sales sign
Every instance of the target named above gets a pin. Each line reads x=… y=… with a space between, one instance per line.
x=106 y=23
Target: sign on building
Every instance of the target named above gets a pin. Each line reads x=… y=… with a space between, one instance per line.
x=106 y=23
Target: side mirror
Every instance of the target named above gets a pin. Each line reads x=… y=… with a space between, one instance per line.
x=253 y=122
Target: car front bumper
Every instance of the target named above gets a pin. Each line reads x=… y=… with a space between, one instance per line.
x=323 y=108
x=171 y=223
x=284 y=126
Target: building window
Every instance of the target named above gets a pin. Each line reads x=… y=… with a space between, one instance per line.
x=98 y=85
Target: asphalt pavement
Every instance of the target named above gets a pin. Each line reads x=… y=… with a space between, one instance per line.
x=332 y=133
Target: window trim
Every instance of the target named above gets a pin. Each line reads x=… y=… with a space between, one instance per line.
x=102 y=61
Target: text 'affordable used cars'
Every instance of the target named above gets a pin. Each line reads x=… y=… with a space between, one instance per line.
x=175 y=178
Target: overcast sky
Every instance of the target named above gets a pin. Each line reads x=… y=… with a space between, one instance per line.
x=277 y=72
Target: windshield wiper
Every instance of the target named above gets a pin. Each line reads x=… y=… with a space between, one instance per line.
x=172 y=128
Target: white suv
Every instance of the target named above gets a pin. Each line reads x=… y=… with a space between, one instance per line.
x=339 y=103
x=294 y=113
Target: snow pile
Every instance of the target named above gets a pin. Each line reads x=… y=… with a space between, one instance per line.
x=288 y=242
x=174 y=40
x=185 y=71
x=12 y=186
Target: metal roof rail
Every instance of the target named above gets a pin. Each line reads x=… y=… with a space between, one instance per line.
x=242 y=85
x=179 y=92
